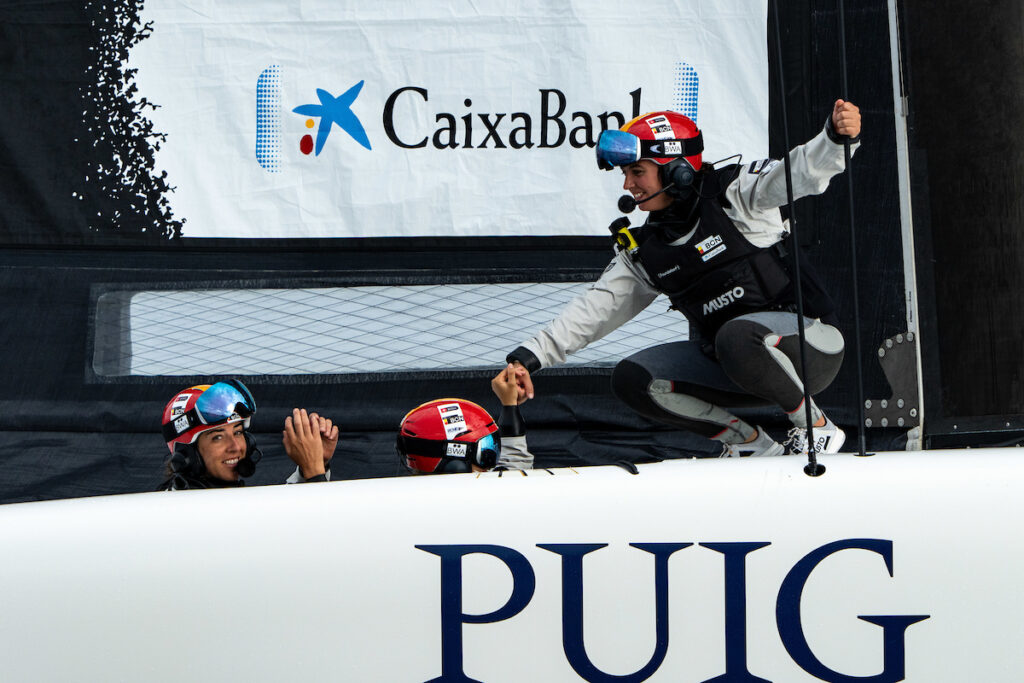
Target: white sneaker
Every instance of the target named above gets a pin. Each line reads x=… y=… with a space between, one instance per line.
x=763 y=445
x=828 y=438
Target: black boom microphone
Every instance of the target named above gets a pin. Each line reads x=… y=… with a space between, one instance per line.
x=627 y=203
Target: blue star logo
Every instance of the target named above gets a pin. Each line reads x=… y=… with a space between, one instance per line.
x=336 y=111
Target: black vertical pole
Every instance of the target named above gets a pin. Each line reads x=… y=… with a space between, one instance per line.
x=844 y=93
x=813 y=468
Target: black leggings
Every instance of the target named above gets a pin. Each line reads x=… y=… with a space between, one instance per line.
x=757 y=359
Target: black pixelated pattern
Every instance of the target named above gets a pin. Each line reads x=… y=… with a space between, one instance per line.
x=77 y=151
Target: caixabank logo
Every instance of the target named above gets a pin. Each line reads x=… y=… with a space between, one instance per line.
x=332 y=111
x=546 y=124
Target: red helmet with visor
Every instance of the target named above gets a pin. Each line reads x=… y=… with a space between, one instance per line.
x=203 y=407
x=669 y=139
x=448 y=435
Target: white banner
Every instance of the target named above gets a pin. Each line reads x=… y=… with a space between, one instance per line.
x=341 y=118
x=892 y=567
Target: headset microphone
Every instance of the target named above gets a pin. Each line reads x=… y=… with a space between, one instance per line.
x=627 y=203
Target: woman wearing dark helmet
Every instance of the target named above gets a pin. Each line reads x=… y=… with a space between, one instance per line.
x=712 y=243
x=206 y=430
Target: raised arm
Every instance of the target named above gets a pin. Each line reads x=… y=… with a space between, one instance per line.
x=310 y=441
x=514 y=452
x=761 y=185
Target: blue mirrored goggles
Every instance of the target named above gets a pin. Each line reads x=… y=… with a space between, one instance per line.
x=224 y=400
x=619 y=148
x=488 y=450
x=616 y=148
x=219 y=403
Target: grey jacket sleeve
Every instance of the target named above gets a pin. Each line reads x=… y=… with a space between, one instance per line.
x=760 y=188
x=297 y=478
x=619 y=294
x=514 y=453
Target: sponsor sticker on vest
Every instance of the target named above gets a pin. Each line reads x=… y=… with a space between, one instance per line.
x=710 y=248
x=713 y=253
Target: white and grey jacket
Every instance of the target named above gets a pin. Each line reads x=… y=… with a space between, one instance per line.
x=624 y=289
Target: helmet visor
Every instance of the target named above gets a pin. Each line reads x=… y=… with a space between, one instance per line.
x=616 y=148
x=488 y=449
x=224 y=401
x=619 y=148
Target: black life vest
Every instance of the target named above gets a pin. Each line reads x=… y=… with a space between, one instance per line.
x=177 y=481
x=717 y=274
